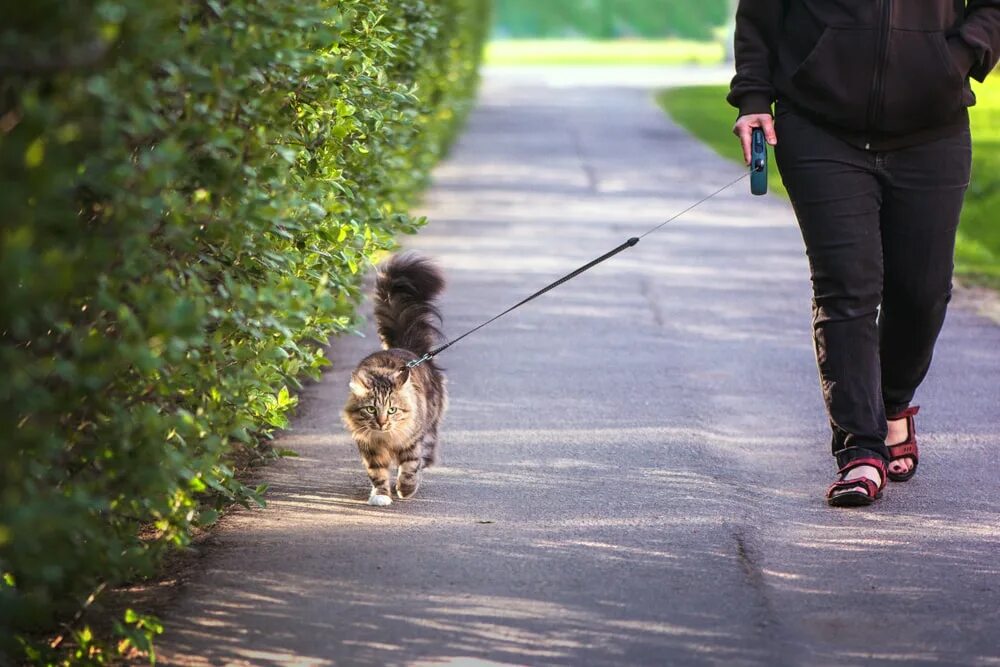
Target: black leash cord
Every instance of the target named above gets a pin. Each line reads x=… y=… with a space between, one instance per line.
x=569 y=276
x=694 y=205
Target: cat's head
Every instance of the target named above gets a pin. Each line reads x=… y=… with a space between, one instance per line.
x=381 y=400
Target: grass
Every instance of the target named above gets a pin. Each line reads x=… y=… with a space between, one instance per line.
x=703 y=111
x=978 y=252
x=609 y=52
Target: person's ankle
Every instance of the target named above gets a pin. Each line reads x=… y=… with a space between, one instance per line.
x=898 y=431
x=871 y=472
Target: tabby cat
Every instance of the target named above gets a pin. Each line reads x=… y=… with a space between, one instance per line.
x=393 y=411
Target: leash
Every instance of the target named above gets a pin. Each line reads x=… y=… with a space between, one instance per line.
x=569 y=276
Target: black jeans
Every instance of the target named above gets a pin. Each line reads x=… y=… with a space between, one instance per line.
x=879 y=231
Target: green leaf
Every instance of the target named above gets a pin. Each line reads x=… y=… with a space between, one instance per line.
x=283 y=397
x=208 y=517
x=35 y=154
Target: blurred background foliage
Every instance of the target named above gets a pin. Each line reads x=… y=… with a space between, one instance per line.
x=190 y=192
x=609 y=19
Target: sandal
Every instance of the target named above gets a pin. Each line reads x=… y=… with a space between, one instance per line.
x=907 y=448
x=860 y=491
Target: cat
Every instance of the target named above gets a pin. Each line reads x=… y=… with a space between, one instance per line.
x=394 y=411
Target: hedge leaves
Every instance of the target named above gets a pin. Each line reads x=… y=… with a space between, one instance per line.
x=189 y=193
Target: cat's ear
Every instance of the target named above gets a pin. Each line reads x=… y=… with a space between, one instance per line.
x=400 y=377
x=359 y=383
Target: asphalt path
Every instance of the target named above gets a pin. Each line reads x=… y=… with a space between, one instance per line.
x=633 y=466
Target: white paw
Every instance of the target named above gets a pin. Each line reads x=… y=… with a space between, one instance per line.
x=379 y=500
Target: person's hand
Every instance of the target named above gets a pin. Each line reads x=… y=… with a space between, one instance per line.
x=744 y=129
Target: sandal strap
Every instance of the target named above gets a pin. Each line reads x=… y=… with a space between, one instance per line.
x=903 y=450
x=907 y=448
x=871 y=489
x=908 y=412
x=875 y=462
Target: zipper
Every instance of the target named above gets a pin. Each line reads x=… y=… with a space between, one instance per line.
x=882 y=55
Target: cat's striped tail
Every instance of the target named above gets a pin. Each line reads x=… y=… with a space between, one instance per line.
x=405 y=314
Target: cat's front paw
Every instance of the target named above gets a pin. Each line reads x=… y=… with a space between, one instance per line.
x=407 y=485
x=379 y=500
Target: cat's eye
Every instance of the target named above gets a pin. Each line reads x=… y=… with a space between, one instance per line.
x=392 y=410
x=370 y=409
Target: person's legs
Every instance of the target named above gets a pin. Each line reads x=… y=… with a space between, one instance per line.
x=837 y=198
x=922 y=198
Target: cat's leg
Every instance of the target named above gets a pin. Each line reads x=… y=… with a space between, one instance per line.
x=429 y=453
x=410 y=463
x=377 y=467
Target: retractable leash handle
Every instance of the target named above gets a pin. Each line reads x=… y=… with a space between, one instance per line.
x=758 y=162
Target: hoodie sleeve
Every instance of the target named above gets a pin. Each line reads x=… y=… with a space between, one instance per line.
x=758 y=23
x=977 y=41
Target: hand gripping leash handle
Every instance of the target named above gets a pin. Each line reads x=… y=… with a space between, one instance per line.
x=758 y=162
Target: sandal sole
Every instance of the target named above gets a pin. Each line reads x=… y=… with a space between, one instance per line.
x=851 y=499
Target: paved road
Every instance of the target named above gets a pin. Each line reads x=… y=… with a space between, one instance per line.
x=634 y=465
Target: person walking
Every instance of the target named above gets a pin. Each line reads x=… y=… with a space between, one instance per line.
x=870 y=130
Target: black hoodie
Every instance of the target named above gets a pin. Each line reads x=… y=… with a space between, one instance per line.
x=882 y=73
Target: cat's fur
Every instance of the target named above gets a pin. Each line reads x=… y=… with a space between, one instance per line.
x=393 y=412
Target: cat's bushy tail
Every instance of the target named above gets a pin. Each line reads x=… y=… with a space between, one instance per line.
x=405 y=314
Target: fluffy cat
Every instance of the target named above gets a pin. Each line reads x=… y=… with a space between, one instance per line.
x=393 y=412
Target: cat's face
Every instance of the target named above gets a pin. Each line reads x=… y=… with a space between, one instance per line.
x=380 y=402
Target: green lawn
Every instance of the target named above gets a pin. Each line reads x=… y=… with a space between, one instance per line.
x=594 y=52
x=704 y=112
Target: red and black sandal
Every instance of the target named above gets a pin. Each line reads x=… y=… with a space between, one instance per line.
x=860 y=491
x=907 y=448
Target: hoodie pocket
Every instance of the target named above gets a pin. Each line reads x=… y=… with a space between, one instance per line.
x=835 y=78
x=923 y=85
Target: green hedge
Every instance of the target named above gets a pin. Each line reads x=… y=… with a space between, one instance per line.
x=190 y=191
